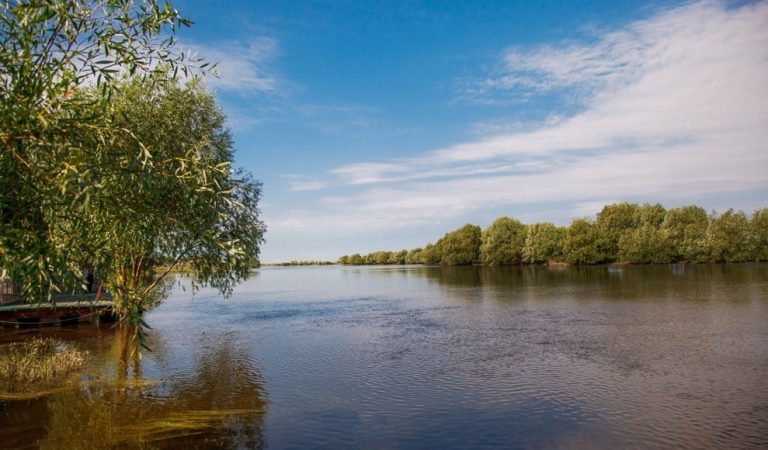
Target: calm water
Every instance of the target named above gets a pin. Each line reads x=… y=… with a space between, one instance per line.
x=426 y=357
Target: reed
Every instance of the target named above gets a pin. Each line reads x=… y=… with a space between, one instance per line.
x=37 y=362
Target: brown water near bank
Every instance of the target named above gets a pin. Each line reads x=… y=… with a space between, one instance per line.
x=427 y=357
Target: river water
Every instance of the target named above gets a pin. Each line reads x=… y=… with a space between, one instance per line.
x=425 y=357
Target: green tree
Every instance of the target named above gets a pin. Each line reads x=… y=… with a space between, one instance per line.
x=184 y=203
x=728 y=237
x=582 y=243
x=503 y=242
x=758 y=230
x=398 y=257
x=460 y=247
x=48 y=50
x=431 y=254
x=685 y=229
x=651 y=214
x=543 y=241
x=643 y=245
x=414 y=256
x=381 y=257
x=356 y=260
x=612 y=221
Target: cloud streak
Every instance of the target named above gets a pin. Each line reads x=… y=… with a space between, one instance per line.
x=670 y=91
x=243 y=67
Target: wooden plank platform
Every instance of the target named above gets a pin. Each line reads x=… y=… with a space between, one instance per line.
x=64 y=310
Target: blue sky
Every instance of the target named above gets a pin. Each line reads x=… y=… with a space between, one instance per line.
x=383 y=125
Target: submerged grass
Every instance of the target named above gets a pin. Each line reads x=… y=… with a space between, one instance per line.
x=37 y=364
x=107 y=421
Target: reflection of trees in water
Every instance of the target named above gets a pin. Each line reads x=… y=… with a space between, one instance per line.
x=605 y=282
x=220 y=403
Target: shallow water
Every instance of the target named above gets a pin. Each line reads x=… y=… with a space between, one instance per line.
x=426 y=357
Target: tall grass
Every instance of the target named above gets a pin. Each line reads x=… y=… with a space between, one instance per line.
x=37 y=363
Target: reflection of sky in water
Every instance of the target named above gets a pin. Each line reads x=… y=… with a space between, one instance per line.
x=414 y=357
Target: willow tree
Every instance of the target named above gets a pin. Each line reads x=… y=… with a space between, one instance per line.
x=503 y=242
x=49 y=49
x=167 y=194
x=460 y=247
x=685 y=229
x=728 y=237
x=582 y=243
x=758 y=225
x=613 y=221
x=543 y=242
x=643 y=245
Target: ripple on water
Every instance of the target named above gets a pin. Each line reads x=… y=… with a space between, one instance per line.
x=476 y=358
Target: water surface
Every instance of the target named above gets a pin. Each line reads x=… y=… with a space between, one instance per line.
x=427 y=357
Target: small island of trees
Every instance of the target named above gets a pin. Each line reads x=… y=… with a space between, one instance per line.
x=622 y=232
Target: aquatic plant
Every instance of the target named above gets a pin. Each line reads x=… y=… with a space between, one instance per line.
x=37 y=363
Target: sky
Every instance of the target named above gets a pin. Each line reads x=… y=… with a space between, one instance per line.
x=380 y=125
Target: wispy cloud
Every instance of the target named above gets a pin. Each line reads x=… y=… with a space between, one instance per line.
x=300 y=183
x=336 y=118
x=673 y=108
x=244 y=67
x=255 y=93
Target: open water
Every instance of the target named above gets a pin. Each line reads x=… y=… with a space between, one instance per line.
x=425 y=357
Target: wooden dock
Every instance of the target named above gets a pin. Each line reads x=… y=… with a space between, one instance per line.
x=64 y=310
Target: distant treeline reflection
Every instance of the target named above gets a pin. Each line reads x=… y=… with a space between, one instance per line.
x=299 y=263
x=622 y=232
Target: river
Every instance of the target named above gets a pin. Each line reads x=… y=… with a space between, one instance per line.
x=425 y=357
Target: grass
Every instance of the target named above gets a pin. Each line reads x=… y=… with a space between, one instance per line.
x=37 y=363
x=107 y=420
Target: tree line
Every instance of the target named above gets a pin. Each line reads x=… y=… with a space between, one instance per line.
x=621 y=232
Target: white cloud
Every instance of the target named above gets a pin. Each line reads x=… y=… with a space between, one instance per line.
x=367 y=173
x=307 y=185
x=243 y=67
x=673 y=108
x=300 y=183
x=688 y=83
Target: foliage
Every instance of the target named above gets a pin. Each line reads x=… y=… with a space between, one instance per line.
x=503 y=242
x=431 y=254
x=652 y=215
x=758 y=230
x=582 y=243
x=612 y=221
x=727 y=237
x=685 y=229
x=543 y=242
x=413 y=256
x=38 y=362
x=108 y=161
x=48 y=50
x=356 y=260
x=640 y=234
x=183 y=202
x=460 y=247
x=380 y=257
x=645 y=244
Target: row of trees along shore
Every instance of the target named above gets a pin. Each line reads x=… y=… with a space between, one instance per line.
x=622 y=232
